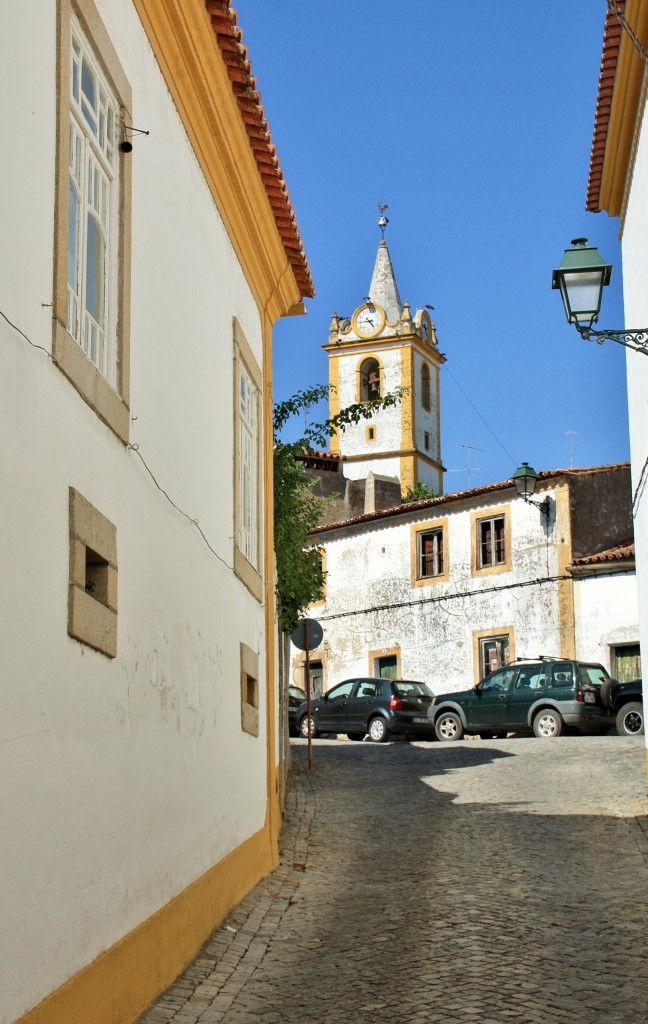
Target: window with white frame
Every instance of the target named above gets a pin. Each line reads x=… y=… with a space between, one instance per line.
x=494 y=653
x=430 y=554
x=92 y=208
x=491 y=540
x=248 y=443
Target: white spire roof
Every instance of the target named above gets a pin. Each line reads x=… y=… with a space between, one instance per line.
x=384 y=290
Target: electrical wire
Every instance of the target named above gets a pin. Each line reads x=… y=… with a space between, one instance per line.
x=632 y=36
x=636 y=498
x=471 y=403
x=132 y=448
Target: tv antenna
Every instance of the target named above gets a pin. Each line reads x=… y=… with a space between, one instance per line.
x=571 y=433
x=470 y=469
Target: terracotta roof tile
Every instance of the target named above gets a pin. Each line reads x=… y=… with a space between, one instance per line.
x=609 y=58
x=622 y=552
x=229 y=40
x=476 y=492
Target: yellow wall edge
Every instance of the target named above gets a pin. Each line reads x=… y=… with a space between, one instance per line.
x=562 y=526
x=121 y=983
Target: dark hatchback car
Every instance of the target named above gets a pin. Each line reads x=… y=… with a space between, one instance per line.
x=296 y=697
x=378 y=707
x=543 y=696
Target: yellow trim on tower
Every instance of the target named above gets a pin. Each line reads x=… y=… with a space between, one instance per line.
x=334 y=399
x=121 y=983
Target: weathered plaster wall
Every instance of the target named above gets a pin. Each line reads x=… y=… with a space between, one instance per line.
x=600 y=511
x=606 y=615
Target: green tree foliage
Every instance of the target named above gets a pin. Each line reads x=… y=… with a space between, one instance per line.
x=419 y=493
x=300 y=579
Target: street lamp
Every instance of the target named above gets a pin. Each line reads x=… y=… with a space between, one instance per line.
x=581 y=278
x=525 y=479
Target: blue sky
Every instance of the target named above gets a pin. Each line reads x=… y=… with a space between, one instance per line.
x=473 y=122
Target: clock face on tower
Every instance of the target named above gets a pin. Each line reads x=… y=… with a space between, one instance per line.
x=368 y=320
x=425 y=327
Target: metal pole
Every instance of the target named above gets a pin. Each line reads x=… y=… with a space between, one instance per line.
x=308 y=695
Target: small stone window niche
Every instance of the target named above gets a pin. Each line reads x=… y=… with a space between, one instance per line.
x=92 y=598
x=249 y=690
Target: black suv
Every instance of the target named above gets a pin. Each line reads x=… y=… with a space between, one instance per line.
x=625 y=702
x=375 y=706
x=542 y=696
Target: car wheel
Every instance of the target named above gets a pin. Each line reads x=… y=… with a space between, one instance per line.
x=629 y=721
x=357 y=736
x=303 y=727
x=378 y=731
x=547 y=724
x=448 y=727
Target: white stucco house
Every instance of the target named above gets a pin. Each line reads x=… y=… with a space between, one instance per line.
x=618 y=185
x=447 y=589
x=148 y=247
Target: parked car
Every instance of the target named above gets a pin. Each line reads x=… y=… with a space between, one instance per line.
x=378 y=707
x=625 y=702
x=296 y=697
x=542 y=696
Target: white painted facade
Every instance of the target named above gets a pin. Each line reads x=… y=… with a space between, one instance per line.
x=123 y=779
x=635 y=296
x=606 y=615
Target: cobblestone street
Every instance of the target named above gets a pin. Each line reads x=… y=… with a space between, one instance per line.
x=480 y=882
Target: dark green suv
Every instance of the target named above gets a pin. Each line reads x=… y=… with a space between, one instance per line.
x=543 y=696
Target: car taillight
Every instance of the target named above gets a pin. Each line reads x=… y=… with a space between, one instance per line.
x=580 y=696
x=395 y=704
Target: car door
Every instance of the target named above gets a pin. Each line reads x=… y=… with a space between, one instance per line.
x=331 y=715
x=362 y=703
x=527 y=687
x=488 y=710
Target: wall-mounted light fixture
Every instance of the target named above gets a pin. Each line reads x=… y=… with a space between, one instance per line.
x=581 y=278
x=525 y=479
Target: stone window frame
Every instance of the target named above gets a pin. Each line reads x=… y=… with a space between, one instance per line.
x=480 y=635
x=476 y=519
x=248 y=573
x=416 y=531
x=362 y=386
x=249 y=690
x=110 y=402
x=92 y=590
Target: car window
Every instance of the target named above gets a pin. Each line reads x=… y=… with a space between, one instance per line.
x=562 y=674
x=295 y=692
x=341 y=691
x=402 y=689
x=596 y=674
x=530 y=677
x=367 y=690
x=497 y=682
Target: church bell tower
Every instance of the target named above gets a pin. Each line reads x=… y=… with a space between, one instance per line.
x=382 y=346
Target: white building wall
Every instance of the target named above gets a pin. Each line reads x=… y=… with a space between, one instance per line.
x=434 y=625
x=388 y=421
x=606 y=615
x=635 y=294
x=122 y=779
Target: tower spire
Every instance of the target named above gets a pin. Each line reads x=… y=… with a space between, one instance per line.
x=384 y=290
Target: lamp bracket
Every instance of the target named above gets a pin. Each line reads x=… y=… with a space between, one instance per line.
x=544 y=506
x=637 y=340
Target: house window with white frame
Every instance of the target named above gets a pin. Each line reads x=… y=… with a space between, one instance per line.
x=491 y=541
x=93 y=201
x=430 y=554
x=248 y=467
x=494 y=653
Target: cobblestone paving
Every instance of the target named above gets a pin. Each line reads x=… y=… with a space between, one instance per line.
x=482 y=882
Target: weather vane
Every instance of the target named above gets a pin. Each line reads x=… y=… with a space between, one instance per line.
x=382 y=220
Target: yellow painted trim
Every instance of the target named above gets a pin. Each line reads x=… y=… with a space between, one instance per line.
x=619 y=156
x=427 y=527
x=475 y=518
x=184 y=45
x=384 y=652
x=369 y=428
x=334 y=399
x=485 y=634
x=562 y=532
x=385 y=345
x=121 y=983
x=408 y=425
